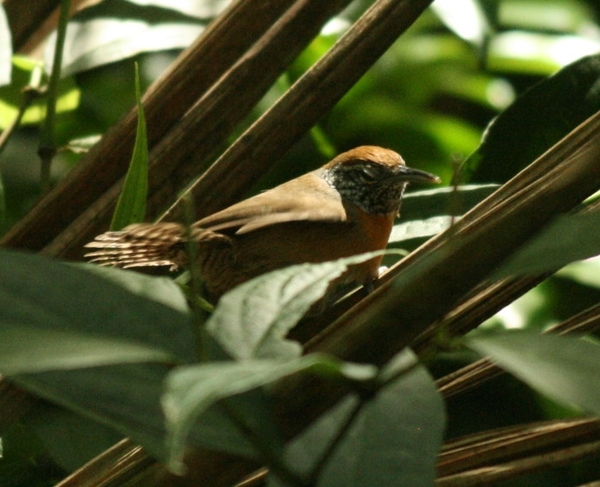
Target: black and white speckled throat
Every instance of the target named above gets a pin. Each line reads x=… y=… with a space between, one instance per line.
x=379 y=197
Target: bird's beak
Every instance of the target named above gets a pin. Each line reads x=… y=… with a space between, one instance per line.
x=411 y=175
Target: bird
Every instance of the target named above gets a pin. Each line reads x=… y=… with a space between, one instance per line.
x=344 y=208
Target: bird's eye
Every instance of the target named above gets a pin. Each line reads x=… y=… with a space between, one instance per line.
x=369 y=173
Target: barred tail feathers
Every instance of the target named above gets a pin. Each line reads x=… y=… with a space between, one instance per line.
x=140 y=245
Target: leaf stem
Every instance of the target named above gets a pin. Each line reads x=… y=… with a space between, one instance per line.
x=30 y=93
x=335 y=442
x=198 y=311
x=398 y=374
x=366 y=392
x=269 y=456
x=47 y=148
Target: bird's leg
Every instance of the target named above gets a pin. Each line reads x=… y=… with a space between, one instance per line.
x=369 y=286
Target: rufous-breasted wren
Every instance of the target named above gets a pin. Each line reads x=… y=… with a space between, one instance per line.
x=344 y=208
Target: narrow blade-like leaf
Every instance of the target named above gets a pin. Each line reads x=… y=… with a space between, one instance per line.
x=131 y=207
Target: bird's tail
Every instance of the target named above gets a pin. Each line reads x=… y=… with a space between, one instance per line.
x=140 y=245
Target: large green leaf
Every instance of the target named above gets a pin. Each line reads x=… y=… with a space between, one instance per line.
x=114 y=30
x=25 y=349
x=124 y=397
x=394 y=440
x=429 y=212
x=252 y=320
x=565 y=368
x=73 y=308
x=49 y=295
x=536 y=120
x=162 y=290
x=71 y=439
x=569 y=238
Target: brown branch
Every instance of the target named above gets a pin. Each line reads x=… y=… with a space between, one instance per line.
x=517 y=444
x=26 y=20
x=124 y=460
x=488 y=475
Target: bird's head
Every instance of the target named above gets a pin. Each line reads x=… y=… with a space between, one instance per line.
x=373 y=178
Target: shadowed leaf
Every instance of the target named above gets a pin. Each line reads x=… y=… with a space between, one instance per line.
x=567 y=239
x=515 y=137
x=565 y=368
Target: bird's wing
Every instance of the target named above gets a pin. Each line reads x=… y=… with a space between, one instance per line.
x=292 y=201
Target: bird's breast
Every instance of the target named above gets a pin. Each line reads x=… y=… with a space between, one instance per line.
x=373 y=229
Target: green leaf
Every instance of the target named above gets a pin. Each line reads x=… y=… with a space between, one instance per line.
x=536 y=120
x=565 y=368
x=567 y=239
x=546 y=52
x=55 y=298
x=28 y=72
x=50 y=295
x=131 y=207
x=161 y=290
x=586 y=273
x=25 y=349
x=191 y=390
x=252 y=320
x=558 y=16
x=69 y=438
x=394 y=440
x=539 y=37
x=114 y=30
x=429 y=212
x=125 y=398
x=217 y=432
x=471 y=25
